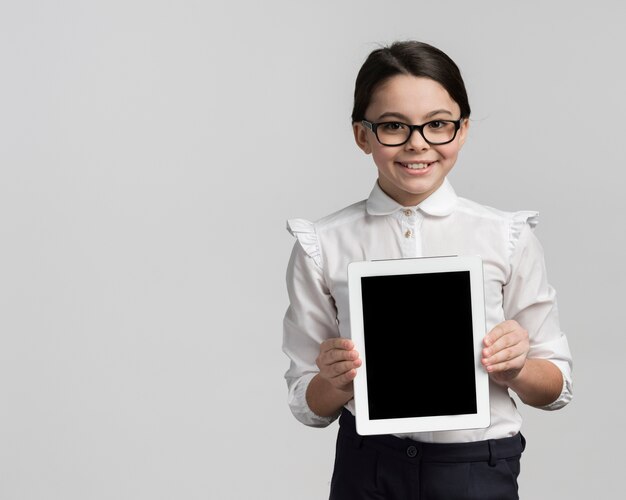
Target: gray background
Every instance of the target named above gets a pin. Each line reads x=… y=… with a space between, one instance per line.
x=150 y=152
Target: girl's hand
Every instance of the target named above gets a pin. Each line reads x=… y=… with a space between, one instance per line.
x=505 y=352
x=338 y=362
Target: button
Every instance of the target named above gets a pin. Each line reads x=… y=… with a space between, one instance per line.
x=408 y=212
x=411 y=451
x=408 y=233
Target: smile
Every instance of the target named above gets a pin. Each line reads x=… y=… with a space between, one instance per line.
x=415 y=166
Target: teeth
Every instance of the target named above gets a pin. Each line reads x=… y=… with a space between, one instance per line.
x=415 y=166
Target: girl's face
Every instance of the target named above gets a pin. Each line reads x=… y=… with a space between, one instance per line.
x=415 y=101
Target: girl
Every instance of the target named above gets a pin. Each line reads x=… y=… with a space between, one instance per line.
x=411 y=114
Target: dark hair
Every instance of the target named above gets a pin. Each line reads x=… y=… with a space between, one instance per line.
x=407 y=58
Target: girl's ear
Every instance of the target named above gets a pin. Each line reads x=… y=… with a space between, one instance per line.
x=361 y=137
x=463 y=131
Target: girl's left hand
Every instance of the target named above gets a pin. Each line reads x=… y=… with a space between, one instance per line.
x=505 y=352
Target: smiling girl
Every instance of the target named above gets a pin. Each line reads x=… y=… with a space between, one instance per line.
x=411 y=114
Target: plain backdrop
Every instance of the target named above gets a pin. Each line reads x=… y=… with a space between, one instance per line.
x=150 y=152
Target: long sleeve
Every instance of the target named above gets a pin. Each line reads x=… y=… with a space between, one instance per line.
x=310 y=319
x=531 y=301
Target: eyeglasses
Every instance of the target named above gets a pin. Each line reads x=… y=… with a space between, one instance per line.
x=436 y=132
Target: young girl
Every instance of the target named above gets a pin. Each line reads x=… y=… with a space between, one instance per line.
x=411 y=114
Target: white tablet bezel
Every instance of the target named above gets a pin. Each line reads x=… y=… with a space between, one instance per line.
x=358 y=270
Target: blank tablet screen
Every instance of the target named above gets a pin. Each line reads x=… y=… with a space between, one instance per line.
x=418 y=340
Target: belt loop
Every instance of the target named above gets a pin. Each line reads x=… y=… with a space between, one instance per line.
x=493 y=457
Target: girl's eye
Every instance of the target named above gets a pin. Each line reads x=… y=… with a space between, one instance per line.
x=437 y=124
x=393 y=126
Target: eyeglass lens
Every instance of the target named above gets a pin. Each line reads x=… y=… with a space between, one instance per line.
x=435 y=132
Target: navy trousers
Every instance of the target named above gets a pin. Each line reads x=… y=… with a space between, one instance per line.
x=390 y=468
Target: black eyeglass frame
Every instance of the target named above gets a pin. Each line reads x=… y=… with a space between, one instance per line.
x=420 y=128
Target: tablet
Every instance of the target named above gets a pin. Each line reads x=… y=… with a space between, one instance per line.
x=418 y=325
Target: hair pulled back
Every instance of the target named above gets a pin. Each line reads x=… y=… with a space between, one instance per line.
x=408 y=58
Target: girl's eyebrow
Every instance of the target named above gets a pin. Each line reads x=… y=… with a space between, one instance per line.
x=393 y=114
x=438 y=112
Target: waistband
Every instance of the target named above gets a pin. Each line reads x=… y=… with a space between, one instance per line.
x=490 y=450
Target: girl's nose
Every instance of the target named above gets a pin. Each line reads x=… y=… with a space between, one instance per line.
x=416 y=142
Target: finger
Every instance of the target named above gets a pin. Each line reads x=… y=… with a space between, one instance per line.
x=504 y=355
x=337 y=355
x=336 y=343
x=338 y=369
x=507 y=341
x=496 y=333
x=500 y=330
x=516 y=363
x=344 y=378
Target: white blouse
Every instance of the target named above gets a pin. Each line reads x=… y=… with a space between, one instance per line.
x=516 y=287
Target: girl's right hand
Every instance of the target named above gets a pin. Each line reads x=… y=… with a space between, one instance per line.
x=338 y=362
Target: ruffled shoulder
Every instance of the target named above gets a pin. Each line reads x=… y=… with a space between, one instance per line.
x=304 y=231
x=518 y=221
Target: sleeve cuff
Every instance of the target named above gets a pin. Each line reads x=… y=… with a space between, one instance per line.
x=566 y=393
x=300 y=408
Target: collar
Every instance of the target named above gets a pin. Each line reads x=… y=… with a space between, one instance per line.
x=440 y=203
